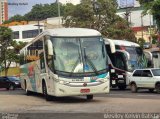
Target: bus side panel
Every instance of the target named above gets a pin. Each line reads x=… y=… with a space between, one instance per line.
x=31 y=73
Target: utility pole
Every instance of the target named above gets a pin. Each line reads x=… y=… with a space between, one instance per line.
x=39 y=26
x=150 y=28
x=142 y=24
x=59 y=12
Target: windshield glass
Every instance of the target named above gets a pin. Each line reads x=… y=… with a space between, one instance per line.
x=156 y=72
x=13 y=79
x=137 y=58
x=79 y=55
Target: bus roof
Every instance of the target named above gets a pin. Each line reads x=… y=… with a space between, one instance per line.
x=72 y=32
x=66 y=32
x=122 y=42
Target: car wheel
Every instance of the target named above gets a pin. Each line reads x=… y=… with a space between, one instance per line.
x=45 y=93
x=158 y=88
x=151 y=90
x=133 y=88
x=89 y=97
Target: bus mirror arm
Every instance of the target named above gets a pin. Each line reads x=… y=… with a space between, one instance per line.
x=112 y=45
x=50 y=47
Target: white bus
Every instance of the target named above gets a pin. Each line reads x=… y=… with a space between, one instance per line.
x=65 y=62
x=128 y=57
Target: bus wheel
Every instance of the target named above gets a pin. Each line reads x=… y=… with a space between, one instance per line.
x=89 y=97
x=45 y=93
x=122 y=87
x=151 y=90
x=158 y=88
x=133 y=88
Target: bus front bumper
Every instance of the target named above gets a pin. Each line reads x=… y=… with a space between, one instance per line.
x=74 y=90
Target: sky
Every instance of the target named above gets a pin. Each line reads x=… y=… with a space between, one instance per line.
x=24 y=6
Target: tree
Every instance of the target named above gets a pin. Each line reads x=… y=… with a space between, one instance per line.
x=17 y=18
x=41 y=12
x=100 y=15
x=5 y=40
x=9 y=49
x=141 y=42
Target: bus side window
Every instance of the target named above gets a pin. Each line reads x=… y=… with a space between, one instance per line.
x=42 y=62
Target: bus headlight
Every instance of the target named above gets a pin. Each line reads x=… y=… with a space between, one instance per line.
x=63 y=82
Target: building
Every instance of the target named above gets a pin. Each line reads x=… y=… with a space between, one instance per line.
x=3 y=11
x=26 y=33
x=141 y=24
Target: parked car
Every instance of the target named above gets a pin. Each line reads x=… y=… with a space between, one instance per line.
x=145 y=79
x=9 y=83
x=147 y=45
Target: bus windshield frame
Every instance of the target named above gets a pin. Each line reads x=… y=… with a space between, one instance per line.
x=137 y=58
x=79 y=56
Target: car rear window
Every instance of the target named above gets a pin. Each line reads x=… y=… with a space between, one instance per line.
x=137 y=73
x=156 y=72
x=146 y=73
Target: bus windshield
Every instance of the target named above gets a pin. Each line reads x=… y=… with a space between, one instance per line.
x=79 y=55
x=137 y=58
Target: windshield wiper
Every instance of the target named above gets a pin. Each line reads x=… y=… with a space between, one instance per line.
x=78 y=59
x=89 y=62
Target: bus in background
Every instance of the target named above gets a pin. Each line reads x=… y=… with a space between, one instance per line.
x=156 y=57
x=65 y=62
x=128 y=56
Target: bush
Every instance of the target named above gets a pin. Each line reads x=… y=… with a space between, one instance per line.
x=141 y=41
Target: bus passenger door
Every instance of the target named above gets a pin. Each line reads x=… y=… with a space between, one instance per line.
x=42 y=63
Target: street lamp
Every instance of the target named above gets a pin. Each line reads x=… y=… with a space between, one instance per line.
x=59 y=11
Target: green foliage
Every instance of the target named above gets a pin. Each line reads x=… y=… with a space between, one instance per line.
x=154 y=39
x=17 y=18
x=9 y=49
x=41 y=12
x=103 y=19
x=141 y=42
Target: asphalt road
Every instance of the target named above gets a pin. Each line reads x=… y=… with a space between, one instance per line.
x=35 y=106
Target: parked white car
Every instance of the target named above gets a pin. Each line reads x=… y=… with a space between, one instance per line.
x=145 y=79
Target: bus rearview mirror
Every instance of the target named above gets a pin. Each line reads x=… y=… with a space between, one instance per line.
x=50 y=47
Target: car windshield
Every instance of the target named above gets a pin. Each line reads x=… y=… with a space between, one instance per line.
x=79 y=55
x=156 y=72
x=13 y=79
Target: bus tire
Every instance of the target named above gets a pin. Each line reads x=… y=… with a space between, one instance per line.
x=45 y=93
x=26 y=90
x=122 y=87
x=133 y=88
x=89 y=97
x=157 y=87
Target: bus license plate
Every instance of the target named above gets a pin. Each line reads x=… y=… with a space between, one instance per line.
x=85 y=90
